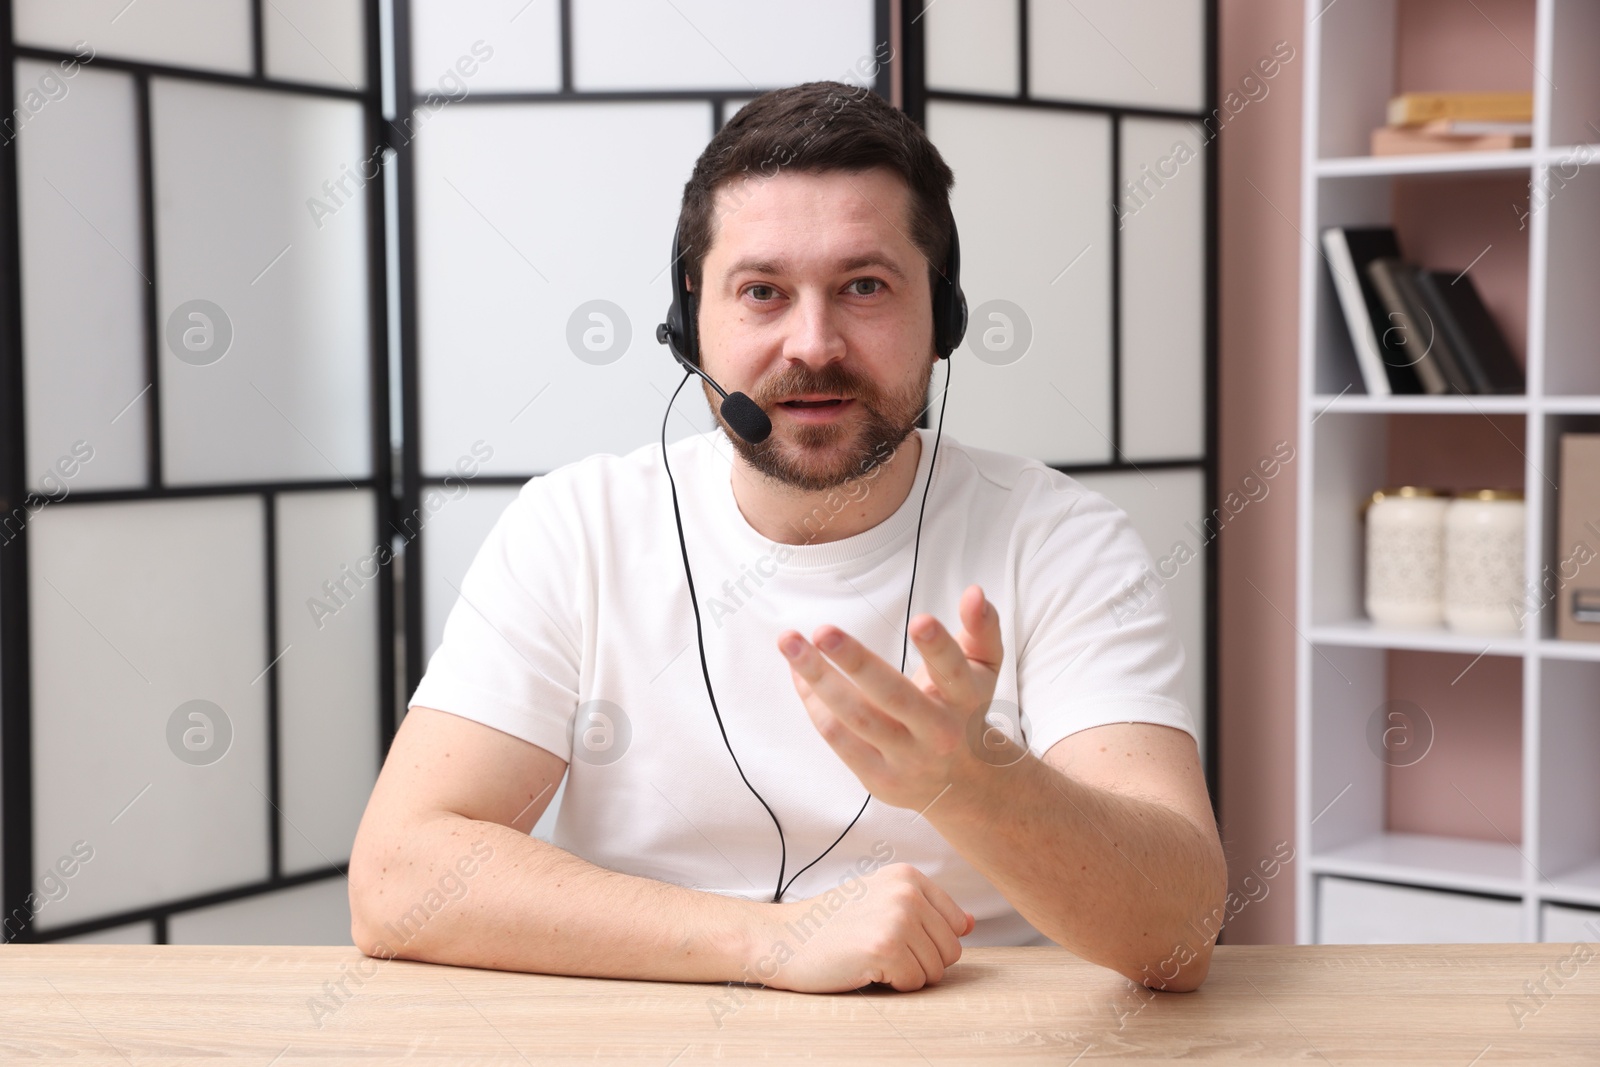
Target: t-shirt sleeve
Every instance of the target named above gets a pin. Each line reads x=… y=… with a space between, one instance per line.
x=1096 y=639
x=510 y=655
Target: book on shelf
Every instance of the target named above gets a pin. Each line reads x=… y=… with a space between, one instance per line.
x=1421 y=123
x=1411 y=336
x=1470 y=333
x=1420 y=140
x=1577 y=577
x=1414 y=109
x=1415 y=330
x=1349 y=250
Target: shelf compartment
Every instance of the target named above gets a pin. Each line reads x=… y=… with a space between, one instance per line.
x=1581 y=885
x=1356 y=453
x=1571 y=199
x=1568 y=788
x=1376 y=49
x=1557 y=922
x=1574 y=80
x=1427 y=860
x=1463 y=222
x=1550 y=593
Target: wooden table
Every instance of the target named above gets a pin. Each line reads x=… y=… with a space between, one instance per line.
x=1452 y=1004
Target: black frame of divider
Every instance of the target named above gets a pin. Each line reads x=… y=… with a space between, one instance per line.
x=16 y=711
x=918 y=93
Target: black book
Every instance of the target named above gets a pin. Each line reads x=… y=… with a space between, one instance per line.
x=1469 y=331
x=1407 y=338
x=1438 y=351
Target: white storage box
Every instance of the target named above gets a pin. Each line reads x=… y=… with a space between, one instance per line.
x=1570 y=925
x=1351 y=912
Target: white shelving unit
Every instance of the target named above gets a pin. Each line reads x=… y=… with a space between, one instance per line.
x=1551 y=862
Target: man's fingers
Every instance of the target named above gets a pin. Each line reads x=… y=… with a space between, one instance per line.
x=857 y=753
x=882 y=683
x=929 y=954
x=980 y=621
x=905 y=971
x=945 y=661
x=943 y=903
x=844 y=698
x=944 y=938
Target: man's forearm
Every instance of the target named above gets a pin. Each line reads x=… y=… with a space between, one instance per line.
x=455 y=890
x=1119 y=881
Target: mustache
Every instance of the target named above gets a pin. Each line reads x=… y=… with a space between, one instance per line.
x=835 y=381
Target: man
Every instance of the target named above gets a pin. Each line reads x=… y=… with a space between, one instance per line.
x=814 y=228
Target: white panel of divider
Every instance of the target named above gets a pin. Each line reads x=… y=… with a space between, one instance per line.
x=721 y=44
x=1141 y=53
x=1161 y=213
x=148 y=626
x=328 y=633
x=317 y=41
x=972 y=46
x=83 y=280
x=460 y=47
x=314 y=914
x=206 y=34
x=543 y=233
x=261 y=242
x=455 y=531
x=1033 y=375
x=1167 y=507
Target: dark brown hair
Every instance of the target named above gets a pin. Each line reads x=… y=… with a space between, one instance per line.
x=813 y=128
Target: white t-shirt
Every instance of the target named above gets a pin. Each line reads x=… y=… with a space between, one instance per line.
x=575 y=619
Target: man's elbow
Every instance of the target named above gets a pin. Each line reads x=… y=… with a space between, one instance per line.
x=1181 y=971
x=375 y=933
x=1185 y=961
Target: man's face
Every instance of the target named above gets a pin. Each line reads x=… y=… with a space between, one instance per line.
x=813 y=288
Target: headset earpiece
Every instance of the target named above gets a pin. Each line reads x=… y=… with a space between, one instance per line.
x=680 y=330
x=949 y=302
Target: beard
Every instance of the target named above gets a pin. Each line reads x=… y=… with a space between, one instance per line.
x=815 y=457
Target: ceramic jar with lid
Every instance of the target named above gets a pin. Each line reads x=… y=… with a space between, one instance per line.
x=1483 y=548
x=1405 y=556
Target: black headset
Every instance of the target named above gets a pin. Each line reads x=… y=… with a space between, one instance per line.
x=680 y=333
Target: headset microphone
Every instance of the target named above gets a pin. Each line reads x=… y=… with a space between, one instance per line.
x=678 y=333
x=742 y=413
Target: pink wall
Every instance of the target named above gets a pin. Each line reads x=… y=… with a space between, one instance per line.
x=1259 y=209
